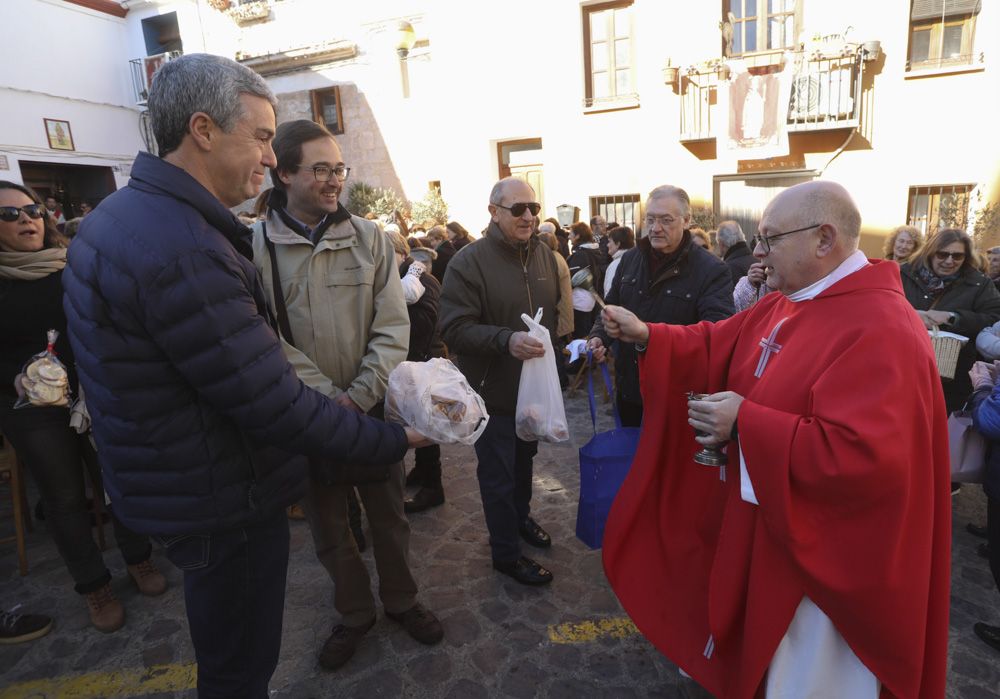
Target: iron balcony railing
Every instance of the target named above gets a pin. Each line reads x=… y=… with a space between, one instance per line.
x=825 y=94
x=143 y=70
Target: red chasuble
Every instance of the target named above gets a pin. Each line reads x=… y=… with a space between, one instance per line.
x=843 y=429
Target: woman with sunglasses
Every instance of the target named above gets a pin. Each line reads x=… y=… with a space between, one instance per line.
x=943 y=284
x=32 y=257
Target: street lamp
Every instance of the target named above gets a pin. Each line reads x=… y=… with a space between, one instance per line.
x=405 y=38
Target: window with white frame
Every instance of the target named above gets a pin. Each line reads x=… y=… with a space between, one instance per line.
x=762 y=25
x=609 y=53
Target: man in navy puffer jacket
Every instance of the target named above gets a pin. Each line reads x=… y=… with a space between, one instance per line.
x=201 y=422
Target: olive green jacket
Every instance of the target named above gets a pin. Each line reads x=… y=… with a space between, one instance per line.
x=344 y=299
x=489 y=284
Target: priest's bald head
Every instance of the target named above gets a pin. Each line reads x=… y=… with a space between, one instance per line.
x=805 y=233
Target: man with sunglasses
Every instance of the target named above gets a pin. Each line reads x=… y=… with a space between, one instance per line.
x=341 y=303
x=816 y=561
x=487 y=288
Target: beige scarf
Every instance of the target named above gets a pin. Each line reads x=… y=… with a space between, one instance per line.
x=28 y=266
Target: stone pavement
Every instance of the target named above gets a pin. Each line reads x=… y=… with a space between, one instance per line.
x=570 y=639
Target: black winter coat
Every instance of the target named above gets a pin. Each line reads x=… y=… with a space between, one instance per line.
x=29 y=310
x=425 y=341
x=445 y=251
x=696 y=287
x=976 y=301
x=738 y=258
x=198 y=416
x=594 y=259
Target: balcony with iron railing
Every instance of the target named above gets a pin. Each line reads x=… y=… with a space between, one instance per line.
x=143 y=70
x=825 y=93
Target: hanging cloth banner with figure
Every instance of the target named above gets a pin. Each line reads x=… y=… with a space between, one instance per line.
x=757 y=109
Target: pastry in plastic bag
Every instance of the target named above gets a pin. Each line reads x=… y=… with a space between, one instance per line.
x=434 y=398
x=44 y=379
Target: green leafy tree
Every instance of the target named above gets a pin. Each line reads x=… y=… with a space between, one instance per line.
x=363 y=199
x=431 y=208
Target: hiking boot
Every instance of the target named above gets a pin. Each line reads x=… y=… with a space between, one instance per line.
x=425 y=499
x=18 y=628
x=106 y=613
x=340 y=647
x=148 y=578
x=420 y=623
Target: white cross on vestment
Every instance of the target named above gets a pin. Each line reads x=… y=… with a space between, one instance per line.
x=768 y=347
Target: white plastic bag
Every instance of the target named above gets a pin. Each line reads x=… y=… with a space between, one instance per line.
x=540 y=414
x=434 y=398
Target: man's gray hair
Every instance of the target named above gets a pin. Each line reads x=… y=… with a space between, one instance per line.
x=730 y=233
x=199 y=82
x=496 y=194
x=666 y=190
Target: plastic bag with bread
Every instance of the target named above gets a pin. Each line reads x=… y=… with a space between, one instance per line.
x=44 y=380
x=434 y=398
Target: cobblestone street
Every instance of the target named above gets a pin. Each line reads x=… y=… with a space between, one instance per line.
x=570 y=639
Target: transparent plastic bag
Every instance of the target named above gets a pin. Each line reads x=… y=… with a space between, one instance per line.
x=44 y=380
x=434 y=398
x=540 y=414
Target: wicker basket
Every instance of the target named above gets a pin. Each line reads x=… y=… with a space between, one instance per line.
x=946 y=349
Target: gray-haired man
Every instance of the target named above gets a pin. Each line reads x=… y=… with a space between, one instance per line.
x=734 y=249
x=199 y=418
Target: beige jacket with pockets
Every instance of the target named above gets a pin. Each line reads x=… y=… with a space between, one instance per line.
x=344 y=299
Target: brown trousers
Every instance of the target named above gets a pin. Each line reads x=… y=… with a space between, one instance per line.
x=326 y=509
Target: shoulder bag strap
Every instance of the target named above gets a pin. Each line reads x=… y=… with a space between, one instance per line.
x=279 y=296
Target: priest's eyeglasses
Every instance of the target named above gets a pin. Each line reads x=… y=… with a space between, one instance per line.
x=325 y=173
x=765 y=240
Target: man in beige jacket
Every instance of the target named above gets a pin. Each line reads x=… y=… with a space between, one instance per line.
x=342 y=305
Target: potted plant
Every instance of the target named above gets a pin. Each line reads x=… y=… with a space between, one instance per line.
x=670 y=74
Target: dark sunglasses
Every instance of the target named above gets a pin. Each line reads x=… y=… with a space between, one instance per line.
x=942 y=255
x=12 y=213
x=519 y=208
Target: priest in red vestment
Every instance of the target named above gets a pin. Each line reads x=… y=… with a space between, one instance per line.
x=815 y=563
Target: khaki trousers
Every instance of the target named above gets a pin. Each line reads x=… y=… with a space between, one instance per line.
x=326 y=510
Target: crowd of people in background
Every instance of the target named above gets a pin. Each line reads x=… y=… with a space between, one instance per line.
x=408 y=291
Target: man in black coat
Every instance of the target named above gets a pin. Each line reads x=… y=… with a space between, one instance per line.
x=663 y=279
x=734 y=249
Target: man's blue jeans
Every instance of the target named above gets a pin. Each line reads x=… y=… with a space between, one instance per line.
x=234 y=590
x=505 y=473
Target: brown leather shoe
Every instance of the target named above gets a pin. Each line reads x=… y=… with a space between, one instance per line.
x=106 y=613
x=340 y=647
x=420 y=623
x=148 y=578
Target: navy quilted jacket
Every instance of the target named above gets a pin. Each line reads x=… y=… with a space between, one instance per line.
x=200 y=421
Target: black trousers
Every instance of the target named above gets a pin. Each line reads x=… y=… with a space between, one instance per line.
x=55 y=455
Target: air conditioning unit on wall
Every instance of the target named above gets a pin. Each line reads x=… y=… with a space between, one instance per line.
x=821 y=95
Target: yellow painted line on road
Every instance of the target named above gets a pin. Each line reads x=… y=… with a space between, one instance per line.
x=589 y=631
x=121 y=683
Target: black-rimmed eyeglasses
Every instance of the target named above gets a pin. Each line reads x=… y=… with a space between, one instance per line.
x=325 y=173
x=12 y=213
x=765 y=241
x=519 y=208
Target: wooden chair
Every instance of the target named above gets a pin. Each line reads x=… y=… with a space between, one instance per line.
x=12 y=473
x=577 y=381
